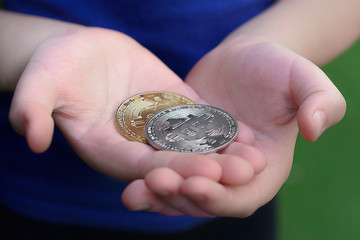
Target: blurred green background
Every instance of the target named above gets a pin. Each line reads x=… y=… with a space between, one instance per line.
x=321 y=199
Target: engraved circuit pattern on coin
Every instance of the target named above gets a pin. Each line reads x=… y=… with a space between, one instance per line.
x=134 y=112
x=191 y=129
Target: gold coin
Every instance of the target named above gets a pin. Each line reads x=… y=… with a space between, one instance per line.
x=134 y=112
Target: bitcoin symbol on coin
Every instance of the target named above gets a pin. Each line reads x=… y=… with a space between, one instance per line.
x=134 y=112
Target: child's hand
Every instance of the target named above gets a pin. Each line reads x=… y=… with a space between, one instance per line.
x=272 y=90
x=78 y=79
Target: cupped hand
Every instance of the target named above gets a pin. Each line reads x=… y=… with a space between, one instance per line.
x=273 y=91
x=77 y=80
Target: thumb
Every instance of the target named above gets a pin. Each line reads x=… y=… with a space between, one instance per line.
x=31 y=109
x=320 y=111
x=321 y=105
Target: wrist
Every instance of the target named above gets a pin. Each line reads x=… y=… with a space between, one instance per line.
x=306 y=27
x=21 y=36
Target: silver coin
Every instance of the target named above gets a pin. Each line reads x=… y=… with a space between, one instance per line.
x=191 y=128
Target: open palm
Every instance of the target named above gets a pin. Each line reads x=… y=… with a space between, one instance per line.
x=77 y=80
x=273 y=91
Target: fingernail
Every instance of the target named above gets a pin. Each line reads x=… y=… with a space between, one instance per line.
x=319 y=120
x=142 y=207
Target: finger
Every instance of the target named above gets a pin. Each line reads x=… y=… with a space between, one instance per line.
x=184 y=164
x=240 y=200
x=127 y=160
x=318 y=112
x=235 y=170
x=165 y=183
x=321 y=103
x=245 y=134
x=137 y=197
x=218 y=199
x=251 y=154
x=31 y=109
